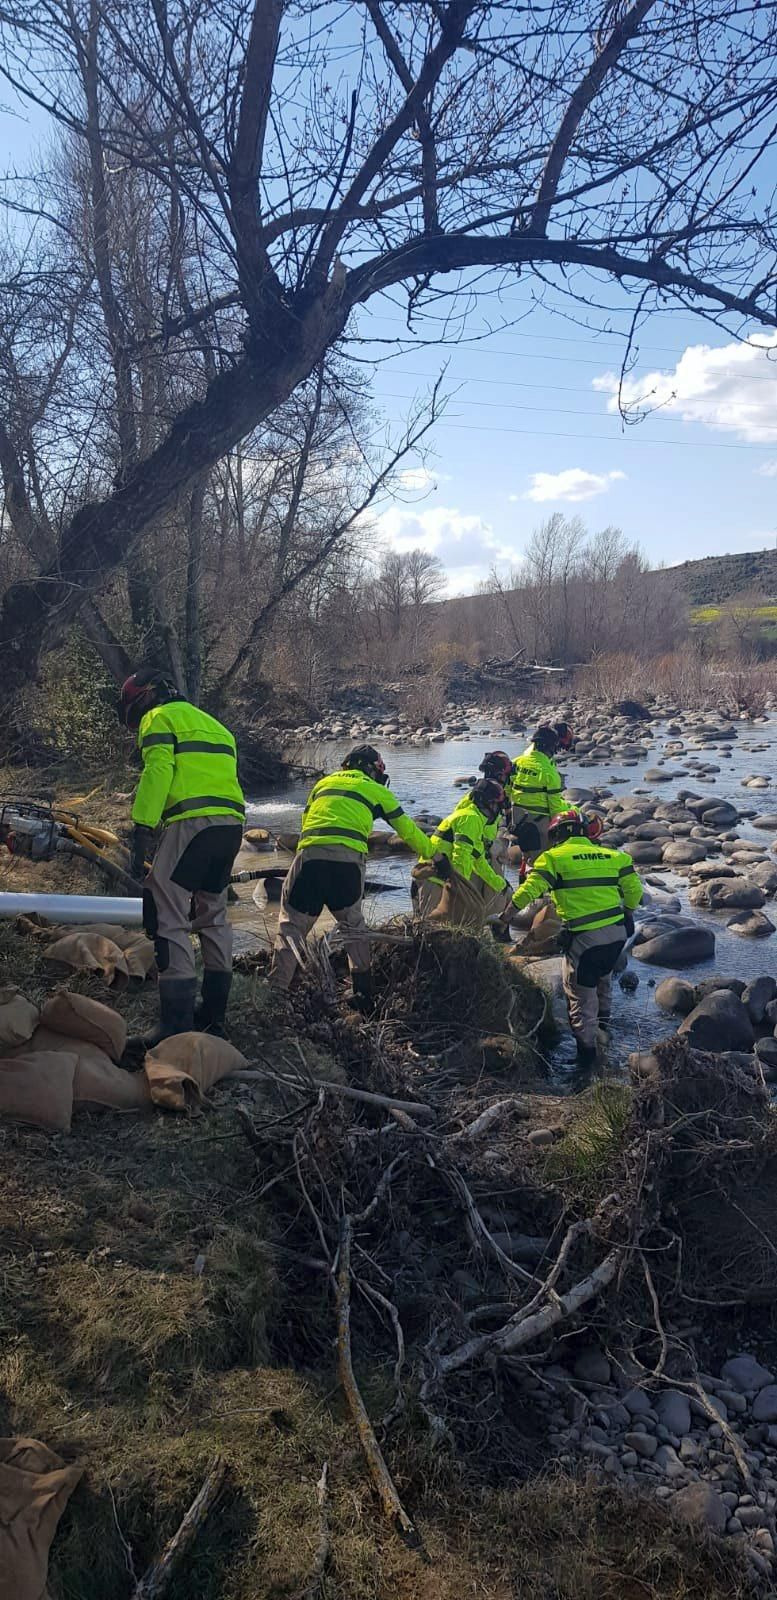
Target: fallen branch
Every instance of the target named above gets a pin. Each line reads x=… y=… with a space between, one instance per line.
x=156 y=1579
x=313 y=1583
x=525 y=1327
x=379 y=1472
x=488 y=1116
x=366 y=1096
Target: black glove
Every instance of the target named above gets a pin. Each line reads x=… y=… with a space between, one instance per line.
x=629 y=923
x=442 y=867
x=142 y=850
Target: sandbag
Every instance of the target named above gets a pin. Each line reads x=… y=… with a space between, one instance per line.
x=37 y=1087
x=180 y=1070
x=81 y=1018
x=543 y=933
x=88 y=952
x=18 y=1017
x=35 y=1486
x=97 y=1081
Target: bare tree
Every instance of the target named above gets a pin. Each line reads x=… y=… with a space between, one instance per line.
x=462 y=136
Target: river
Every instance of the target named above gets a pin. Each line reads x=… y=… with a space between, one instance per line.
x=423 y=779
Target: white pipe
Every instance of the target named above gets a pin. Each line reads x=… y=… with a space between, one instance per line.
x=74 y=908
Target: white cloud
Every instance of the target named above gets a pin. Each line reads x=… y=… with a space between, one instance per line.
x=466 y=545
x=733 y=388
x=573 y=485
x=768 y=469
x=421 y=478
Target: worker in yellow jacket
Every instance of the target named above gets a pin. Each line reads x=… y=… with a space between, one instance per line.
x=534 y=787
x=460 y=885
x=329 y=866
x=594 y=891
x=189 y=788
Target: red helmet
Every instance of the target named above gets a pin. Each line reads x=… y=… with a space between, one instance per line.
x=138 y=694
x=593 y=826
x=566 y=825
x=565 y=735
x=496 y=764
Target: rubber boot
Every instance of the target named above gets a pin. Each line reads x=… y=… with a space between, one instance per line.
x=586 y=1054
x=176 y=1013
x=210 y=1014
x=362 y=992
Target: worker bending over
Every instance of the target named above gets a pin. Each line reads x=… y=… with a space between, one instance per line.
x=190 y=786
x=594 y=891
x=460 y=885
x=329 y=867
x=534 y=787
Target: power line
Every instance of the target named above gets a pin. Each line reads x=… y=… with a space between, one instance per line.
x=603 y=438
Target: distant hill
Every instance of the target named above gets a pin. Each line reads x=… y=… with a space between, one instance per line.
x=717 y=578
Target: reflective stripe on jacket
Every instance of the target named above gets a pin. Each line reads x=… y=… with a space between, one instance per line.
x=589 y=885
x=343 y=808
x=189 y=767
x=463 y=838
x=535 y=784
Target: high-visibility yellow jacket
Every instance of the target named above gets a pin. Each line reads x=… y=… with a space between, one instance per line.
x=189 y=767
x=535 y=784
x=463 y=839
x=343 y=807
x=590 y=886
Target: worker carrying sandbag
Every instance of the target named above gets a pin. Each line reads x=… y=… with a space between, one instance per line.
x=594 y=890
x=534 y=787
x=460 y=885
x=329 y=867
x=189 y=786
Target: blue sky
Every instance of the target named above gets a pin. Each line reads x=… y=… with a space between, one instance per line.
x=531 y=426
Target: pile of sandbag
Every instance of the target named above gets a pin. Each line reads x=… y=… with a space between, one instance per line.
x=67 y=1054
x=117 y=953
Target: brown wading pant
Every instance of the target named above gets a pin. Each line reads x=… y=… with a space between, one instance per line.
x=588 y=1005
x=465 y=904
x=294 y=923
x=173 y=911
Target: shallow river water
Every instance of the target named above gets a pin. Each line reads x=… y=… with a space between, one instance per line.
x=423 y=780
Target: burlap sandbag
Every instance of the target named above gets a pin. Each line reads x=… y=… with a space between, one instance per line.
x=181 y=1070
x=137 y=949
x=97 y=1081
x=541 y=940
x=88 y=952
x=81 y=1018
x=37 y=1087
x=35 y=1486
x=18 y=1017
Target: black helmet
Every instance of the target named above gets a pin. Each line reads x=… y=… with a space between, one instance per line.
x=365 y=758
x=546 y=739
x=496 y=764
x=565 y=734
x=489 y=797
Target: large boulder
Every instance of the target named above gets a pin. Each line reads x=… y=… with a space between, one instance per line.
x=767 y=820
x=644 y=853
x=677 y=947
x=750 y=925
x=764 y=873
x=719 y=1022
x=722 y=815
x=675 y=994
x=727 y=894
x=757 y=996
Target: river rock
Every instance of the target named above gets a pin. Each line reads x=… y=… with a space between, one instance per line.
x=757 y=996
x=765 y=1404
x=675 y=994
x=750 y=925
x=592 y=1366
x=674 y=1410
x=719 y=1022
x=766 y=1051
x=644 y=1444
x=678 y=947
x=746 y=1374
x=764 y=873
x=644 y=852
x=717 y=981
x=722 y=894
x=683 y=853
x=700 y=1505
x=712 y=869
x=768 y=820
